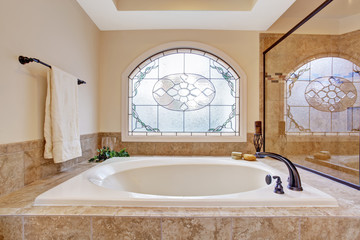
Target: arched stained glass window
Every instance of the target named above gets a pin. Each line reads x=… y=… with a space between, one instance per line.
x=323 y=96
x=184 y=92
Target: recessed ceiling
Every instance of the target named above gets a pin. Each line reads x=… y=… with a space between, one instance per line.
x=256 y=15
x=184 y=5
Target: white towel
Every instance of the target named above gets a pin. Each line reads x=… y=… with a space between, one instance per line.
x=61 y=127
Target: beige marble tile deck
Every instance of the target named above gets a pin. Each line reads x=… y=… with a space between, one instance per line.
x=196 y=228
x=20 y=202
x=11 y=172
x=176 y=222
x=23 y=163
x=330 y=228
x=266 y=228
x=11 y=227
x=126 y=228
x=57 y=227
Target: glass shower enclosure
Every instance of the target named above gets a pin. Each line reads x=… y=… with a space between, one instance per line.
x=312 y=94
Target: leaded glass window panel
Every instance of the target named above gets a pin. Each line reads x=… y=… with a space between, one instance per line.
x=187 y=92
x=323 y=96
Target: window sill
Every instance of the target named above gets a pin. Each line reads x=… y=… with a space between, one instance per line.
x=127 y=138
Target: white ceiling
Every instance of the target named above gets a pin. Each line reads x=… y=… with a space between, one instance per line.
x=256 y=15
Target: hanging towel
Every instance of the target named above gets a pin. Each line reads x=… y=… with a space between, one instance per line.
x=61 y=127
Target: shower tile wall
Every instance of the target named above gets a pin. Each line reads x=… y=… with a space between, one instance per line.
x=302 y=47
x=23 y=163
x=280 y=61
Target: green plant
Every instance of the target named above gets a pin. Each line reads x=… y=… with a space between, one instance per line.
x=105 y=153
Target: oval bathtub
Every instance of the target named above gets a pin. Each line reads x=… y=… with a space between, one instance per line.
x=179 y=181
x=188 y=178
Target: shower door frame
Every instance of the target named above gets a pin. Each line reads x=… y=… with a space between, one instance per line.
x=302 y=22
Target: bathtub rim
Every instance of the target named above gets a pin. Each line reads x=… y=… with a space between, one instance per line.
x=98 y=196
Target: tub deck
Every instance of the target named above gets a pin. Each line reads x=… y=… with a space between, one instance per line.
x=19 y=219
x=186 y=182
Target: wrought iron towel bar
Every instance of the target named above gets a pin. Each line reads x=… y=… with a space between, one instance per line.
x=25 y=60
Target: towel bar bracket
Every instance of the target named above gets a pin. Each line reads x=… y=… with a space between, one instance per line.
x=24 y=60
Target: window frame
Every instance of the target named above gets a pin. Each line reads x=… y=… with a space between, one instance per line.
x=212 y=137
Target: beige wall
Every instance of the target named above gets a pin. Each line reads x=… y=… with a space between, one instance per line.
x=57 y=32
x=119 y=48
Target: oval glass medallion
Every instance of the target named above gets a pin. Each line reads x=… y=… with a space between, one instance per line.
x=331 y=94
x=183 y=92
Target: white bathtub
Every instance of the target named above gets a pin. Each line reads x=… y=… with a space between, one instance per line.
x=179 y=181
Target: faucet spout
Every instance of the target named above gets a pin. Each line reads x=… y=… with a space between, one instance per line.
x=294 y=177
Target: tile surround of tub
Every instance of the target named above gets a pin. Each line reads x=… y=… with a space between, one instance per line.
x=11 y=227
x=11 y=172
x=126 y=228
x=197 y=228
x=23 y=163
x=57 y=227
x=330 y=228
x=266 y=228
x=182 y=228
x=19 y=219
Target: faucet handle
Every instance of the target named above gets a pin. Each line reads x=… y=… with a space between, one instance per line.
x=268 y=179
x=278 y=188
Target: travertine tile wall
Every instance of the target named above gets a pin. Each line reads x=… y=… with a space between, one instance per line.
x=23 y=163
x=177 y=148
x=287 y=56
x=164 y=228
x=20 y=219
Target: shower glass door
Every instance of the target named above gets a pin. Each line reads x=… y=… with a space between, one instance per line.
x=312 y=94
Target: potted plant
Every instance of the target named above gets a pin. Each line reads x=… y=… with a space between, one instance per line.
x=105 y=153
